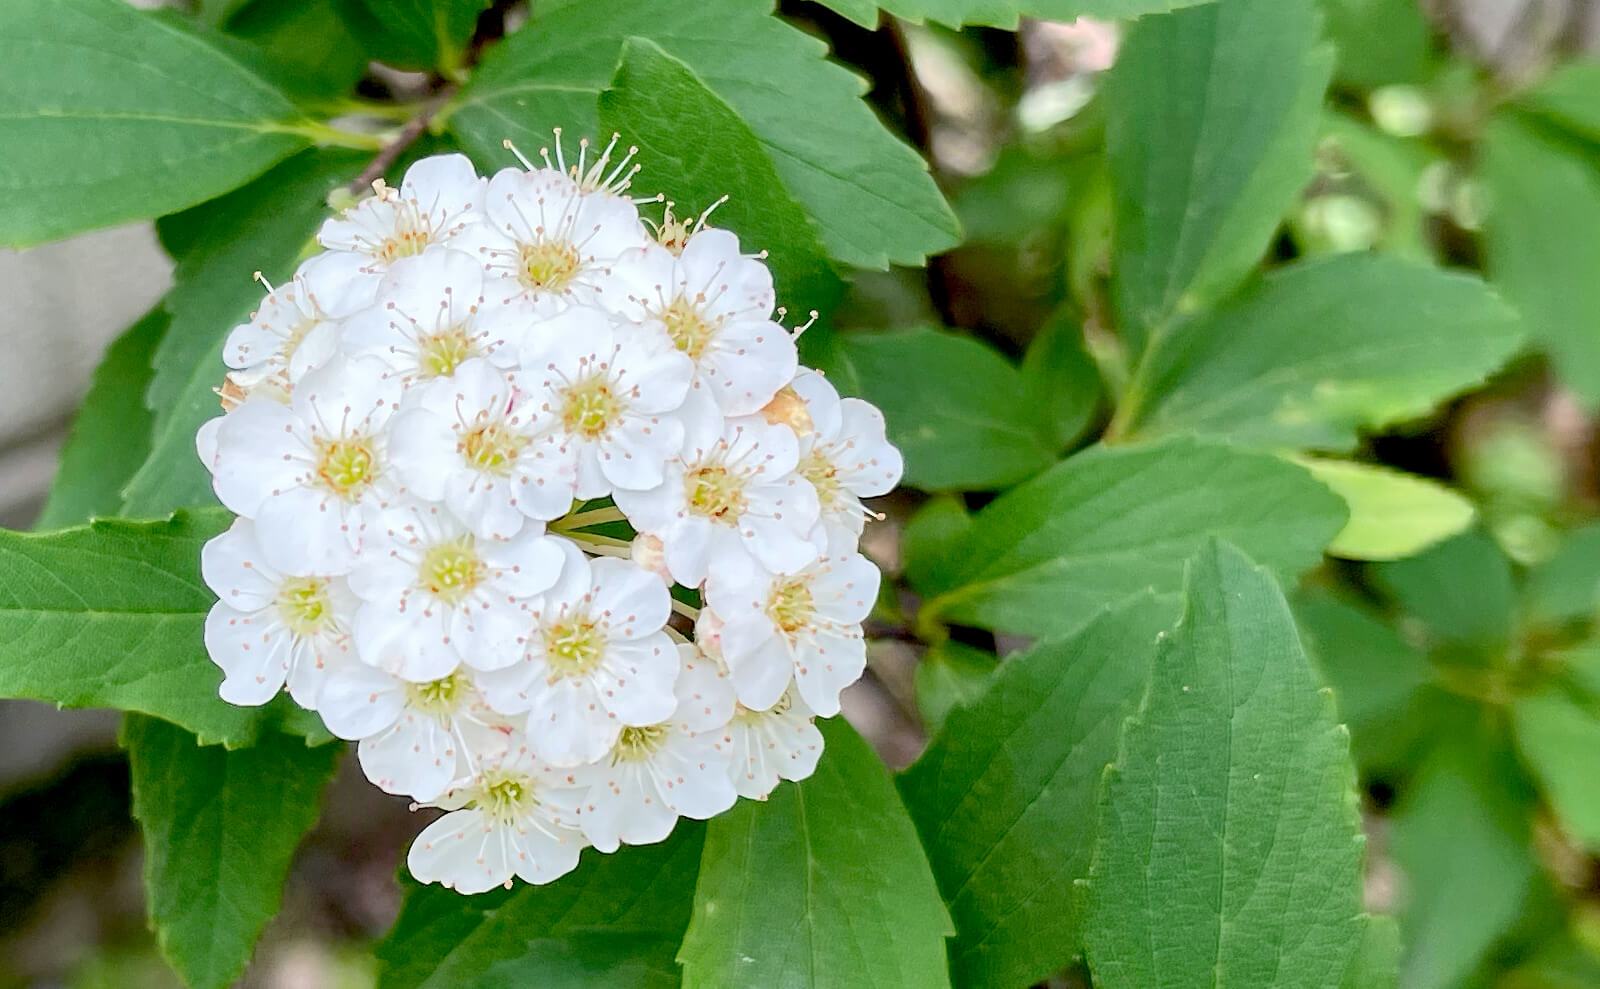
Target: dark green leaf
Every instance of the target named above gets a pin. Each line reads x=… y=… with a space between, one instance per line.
x=424 y=34
x=1461 y=590
x=1392 y=340
x=655 y=99
x=1380 y=42
x=615 y=921
x=219 y=829
x=1061 y=381
x=110 y=436
x=1211 y=116
x=936 y=527
x=1566 y=587
x=871 y=196
x=1005 y=796
x=823 y=884
x=999 y=13
x=1558 y=730
x=112 y=615
x=1230 y=841
x=951 y=674
x=954 y=407
x=1113 y=521
x=1569 y=98
x=112 y=114
x=262 y=227
x=1542 y=244
x=308 y=48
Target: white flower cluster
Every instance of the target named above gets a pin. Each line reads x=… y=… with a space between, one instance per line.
x=497 y=453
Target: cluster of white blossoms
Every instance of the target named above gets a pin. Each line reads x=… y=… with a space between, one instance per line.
x=536 y=504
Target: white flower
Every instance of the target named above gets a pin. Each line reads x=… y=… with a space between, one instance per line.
x=466 y=443
x=294 y=330
x=515 y=817
x=416 y=738
x=805 y=626
x=315 y=473
x=596 y=660
x=656 y=773
x=267 y=627
x=436 y=596
x=428 y=318
x=604 y=398
x=715 y=305
x=549 y=241
x=844 y=454
x=728 y=503
x=439 y=198
x=781 y=742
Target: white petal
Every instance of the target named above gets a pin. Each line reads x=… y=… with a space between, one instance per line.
x=461 y=850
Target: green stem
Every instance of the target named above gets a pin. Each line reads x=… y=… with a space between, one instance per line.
x=321 y=133
x=597 y=516
x=688 y=611
x=599 y=541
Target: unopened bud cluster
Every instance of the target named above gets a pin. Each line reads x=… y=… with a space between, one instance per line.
x=537 y=505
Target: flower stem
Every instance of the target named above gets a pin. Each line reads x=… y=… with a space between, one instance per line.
x=597 y=516
x=688 y=611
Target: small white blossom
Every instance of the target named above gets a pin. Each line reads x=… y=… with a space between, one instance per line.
x=294 y=330
x=781 y=742
x=439 y=198
x=844 y=453
x=268 y=628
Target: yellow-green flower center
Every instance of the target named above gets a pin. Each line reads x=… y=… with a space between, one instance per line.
x=574 y=646
x=347 y=466
x=548 y=266
x=689 y=330
x=303 y=604
x=637 y=744
x=506 y=797
x=715 y=492
x=451 y=570
x=411 y=236
x=823 y=475
x=590 y=407
x=437 y=696
x=493 y=448
x=440 y=354
x=790 y=606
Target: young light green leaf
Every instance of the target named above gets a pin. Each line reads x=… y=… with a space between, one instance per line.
x=1005 y=795
x=112 y=615
x=1542 y=244
x=1467 y=803
x=1230 y=840
x=617 y=920
x=220 y=829
x=262 y=227
x=423 y=34
x=871 y=196
x=112 y=114
x=1392 y=340
x=655 y=99
x=823 y=884
x=1112 y=521
x=999 y=13
x=111 y=434
x=949 y=675
x=1211 y=116
x=1392 y=514
x=954 y=407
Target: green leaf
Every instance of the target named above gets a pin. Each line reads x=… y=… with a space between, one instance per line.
x=928 y=537
x=1569 y=98
x=1392 y=340
x=655 y=99
x=308 y=48
x=220 y=829
x=1392 y=514
x=1467 y=804
x=951 y=674
x=1112 y=521
x=1230 y=840
x=1377 y=961
x=112 y=614
x=956 y=409
x=1380 y=42
x=822 y=884
x=1566 y=587
x=110 y=436
x=871 y=195
x=1061 y=381
x=1558 y=736
x=1005 y=796
x=1542 y=244
x=111 y=114
x=1389 y=169
x=617 y=920
x=262 y=227
x=1379 y=680
x=1211 y=116
x=999 y=13
x=1460 y=590
x=424 y=34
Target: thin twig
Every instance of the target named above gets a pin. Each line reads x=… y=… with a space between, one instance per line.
x=391 y=152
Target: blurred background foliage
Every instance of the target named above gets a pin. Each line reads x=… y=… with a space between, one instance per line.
x=1460 y=638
